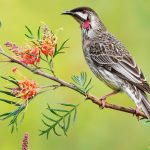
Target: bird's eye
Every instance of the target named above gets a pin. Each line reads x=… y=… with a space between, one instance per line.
x=84 y=11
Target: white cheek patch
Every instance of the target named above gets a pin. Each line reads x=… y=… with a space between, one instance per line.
x=84 y=16
x=93 y=23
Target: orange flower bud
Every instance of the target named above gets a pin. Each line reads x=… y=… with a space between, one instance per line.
x=14 y=69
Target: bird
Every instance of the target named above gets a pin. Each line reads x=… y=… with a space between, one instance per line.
x=110 y=61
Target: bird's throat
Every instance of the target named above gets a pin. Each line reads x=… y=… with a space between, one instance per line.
x=86 y=24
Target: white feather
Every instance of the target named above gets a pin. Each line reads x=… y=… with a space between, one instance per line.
x=82 y=15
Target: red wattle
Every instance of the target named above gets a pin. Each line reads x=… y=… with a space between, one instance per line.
x=86 y=24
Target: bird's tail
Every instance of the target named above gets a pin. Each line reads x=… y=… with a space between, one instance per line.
x=140 y=98
x=145 y=105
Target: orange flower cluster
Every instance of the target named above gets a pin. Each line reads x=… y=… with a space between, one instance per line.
x=49 y=45
x=49 y=41
x=26 y=89
x=31 y=56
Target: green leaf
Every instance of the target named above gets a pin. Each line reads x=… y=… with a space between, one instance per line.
x=63 y=45
x=13 y=117
x=39 y=34
x=64 y=120
x=63 y=128
x=65 y=104
x=81 y=82
x=28 y=36
x=14 y=120
x=7 y=93
x=46 y=123
x=31 y=36
x=68 y=123
x=59 y=110
x=22 y=118
x=54 y=130
x=12 y=128
x=88 y=83
x=58 y=51
x=83 y=78
x=49 y=118
x=10 y=80
x=15 y=112
x=5 y=114
x=75 y=115
x=9 y=102
x=52 y=111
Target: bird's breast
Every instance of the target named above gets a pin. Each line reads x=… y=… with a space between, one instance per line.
x=100 y=72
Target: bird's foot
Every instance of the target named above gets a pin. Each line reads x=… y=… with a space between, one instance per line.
x=103 y=100
x=137 y=110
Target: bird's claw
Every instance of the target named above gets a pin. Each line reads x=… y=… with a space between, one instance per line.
x=103 y=101
x=136 y=112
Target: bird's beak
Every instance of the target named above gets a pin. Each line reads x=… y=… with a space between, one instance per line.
x=68 y=13
x=75 y=15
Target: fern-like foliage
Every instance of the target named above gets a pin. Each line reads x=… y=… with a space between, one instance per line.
x=59 y=118
x=14 y=116
x=82 y=83
x=19 y=112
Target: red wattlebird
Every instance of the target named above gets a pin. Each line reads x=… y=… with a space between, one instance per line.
x=109 y=60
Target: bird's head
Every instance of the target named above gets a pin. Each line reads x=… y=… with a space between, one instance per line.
x=87 y=18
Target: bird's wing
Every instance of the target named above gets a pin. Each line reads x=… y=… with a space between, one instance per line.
x=115 y=57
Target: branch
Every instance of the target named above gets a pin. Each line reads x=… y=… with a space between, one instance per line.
x=90 y=97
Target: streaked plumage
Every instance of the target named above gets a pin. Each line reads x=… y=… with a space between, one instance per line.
x=109 y=59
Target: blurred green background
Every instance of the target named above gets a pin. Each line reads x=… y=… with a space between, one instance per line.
x=95 y=129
